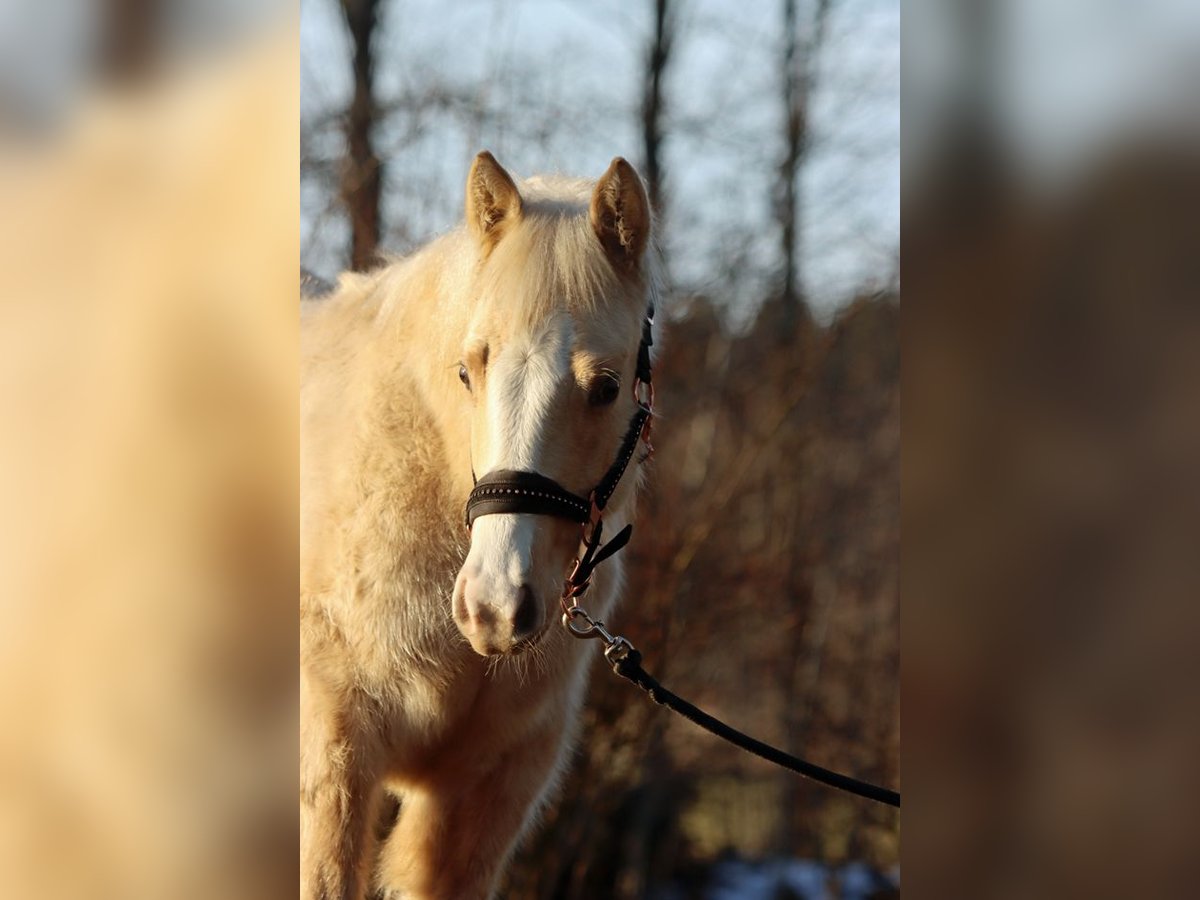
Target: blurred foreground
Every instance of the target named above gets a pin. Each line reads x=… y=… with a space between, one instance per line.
x=148 y=488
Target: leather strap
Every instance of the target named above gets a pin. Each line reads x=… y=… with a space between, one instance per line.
x=509 y=491
x=643 y=360
x=608 y=484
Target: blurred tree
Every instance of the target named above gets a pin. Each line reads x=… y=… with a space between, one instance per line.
x=131 y=32
x=362 y=170
x=799 y=81
x=657 y=59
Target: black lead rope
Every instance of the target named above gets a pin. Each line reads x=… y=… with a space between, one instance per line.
x=630 y=666
x=626 y=661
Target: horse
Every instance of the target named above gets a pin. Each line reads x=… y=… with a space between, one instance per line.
x=430 y=674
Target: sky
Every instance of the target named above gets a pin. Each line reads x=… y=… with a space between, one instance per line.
x=555 y=86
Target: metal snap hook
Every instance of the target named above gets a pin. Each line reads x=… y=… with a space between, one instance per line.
x=645 y=401
x=617 y=651
x=578 y=612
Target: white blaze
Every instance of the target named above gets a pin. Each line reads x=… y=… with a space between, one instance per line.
x=525 y=383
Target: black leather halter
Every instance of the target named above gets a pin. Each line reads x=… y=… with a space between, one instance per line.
x=509 y=491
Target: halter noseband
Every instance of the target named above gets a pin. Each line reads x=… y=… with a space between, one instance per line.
x=509 y=491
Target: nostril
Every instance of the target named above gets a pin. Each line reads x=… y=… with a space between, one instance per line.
x=525 y=619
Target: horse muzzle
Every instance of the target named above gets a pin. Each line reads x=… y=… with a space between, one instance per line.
x=498 y=618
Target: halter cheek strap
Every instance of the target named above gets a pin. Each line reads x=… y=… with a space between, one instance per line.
x=509 y=491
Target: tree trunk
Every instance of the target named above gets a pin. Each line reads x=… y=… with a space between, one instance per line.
x=652 y=100
x=799 y=79
x=794 y=129
x=129 y=33
x=362 y=175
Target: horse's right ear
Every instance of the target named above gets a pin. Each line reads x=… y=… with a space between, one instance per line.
x=493 y=202
x=620 y=214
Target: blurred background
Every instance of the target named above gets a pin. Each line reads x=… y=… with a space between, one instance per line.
x=764 y=579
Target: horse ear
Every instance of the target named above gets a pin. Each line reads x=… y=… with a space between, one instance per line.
x=493 y=202
x=620 y=214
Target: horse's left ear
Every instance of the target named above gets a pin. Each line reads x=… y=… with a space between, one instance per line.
x=620 y=214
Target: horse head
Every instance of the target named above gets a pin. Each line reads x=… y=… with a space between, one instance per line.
x=549 y=368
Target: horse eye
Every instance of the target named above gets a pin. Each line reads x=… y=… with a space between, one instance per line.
x=604 y=390
x=464 y=376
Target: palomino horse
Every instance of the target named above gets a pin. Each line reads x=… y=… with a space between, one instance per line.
x=429 y=669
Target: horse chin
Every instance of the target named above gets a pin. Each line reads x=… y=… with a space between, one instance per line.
x=528 y=643
x=488 y=649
